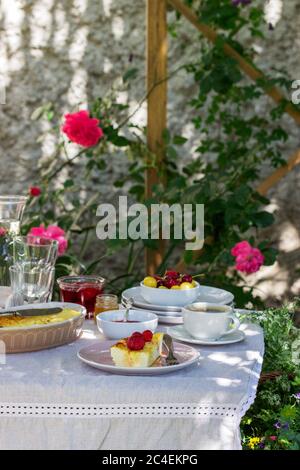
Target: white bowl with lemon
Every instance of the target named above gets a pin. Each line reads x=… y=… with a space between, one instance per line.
x=177 y=295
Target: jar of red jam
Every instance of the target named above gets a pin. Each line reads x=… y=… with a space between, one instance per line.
x=81 y=290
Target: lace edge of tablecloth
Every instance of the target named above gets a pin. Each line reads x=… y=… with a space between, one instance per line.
x=150 y=410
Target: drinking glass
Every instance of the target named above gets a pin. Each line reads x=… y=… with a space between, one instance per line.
x=11 y=212
x=35 y=249
x=105 y=302
x=31 y=282
x=81 y=290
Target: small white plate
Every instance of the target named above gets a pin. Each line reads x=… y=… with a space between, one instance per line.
x=206 y=294
x=170 y=319
x=180 y=333
x=167 y=318
x=98 y=355
x=157 y=312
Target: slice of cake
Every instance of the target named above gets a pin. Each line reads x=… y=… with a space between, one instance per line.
x=140 y=350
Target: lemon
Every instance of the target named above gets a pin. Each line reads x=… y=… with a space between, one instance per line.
x=186 y=285
x=194 y=284
x=150 y=281
x=175 y=287
x=162 y=287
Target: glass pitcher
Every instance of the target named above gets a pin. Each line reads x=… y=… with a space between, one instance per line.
x=11 y=212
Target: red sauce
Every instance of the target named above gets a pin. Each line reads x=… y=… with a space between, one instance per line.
x=124 y=321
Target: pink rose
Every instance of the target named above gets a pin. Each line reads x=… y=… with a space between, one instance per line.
x=82 y=129
x=248 y=259
x=2 y=231
x=241 y=247
x=273 y=438
x=35 y=191
x=38 y=231
x=53 y=232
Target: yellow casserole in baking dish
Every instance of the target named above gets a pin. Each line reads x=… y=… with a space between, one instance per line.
x=14 y=321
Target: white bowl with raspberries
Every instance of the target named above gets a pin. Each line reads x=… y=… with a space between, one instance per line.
x=172 y=289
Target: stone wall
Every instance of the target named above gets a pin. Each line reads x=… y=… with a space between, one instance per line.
x=69 y=51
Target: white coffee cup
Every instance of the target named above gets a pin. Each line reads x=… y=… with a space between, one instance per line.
x=207 y=321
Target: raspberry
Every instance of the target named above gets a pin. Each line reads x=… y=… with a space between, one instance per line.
x=148 y=336
x=136 y=342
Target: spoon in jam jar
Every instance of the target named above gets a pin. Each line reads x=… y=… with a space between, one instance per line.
x=128 y=305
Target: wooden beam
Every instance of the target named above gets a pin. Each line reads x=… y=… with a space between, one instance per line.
x=265 y=185
x=157 y=103
x=247 y=67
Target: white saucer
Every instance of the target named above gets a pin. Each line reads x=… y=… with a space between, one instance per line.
x=180 y=333
x=206 y=294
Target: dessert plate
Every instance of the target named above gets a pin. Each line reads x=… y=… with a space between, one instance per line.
x=98 y=355
x=180 y=333
x=206 y=294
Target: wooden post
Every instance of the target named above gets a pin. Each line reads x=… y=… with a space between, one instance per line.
x=157 y=102
x=271 y=180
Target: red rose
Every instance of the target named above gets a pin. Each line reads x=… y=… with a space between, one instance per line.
x=82 y=129
x=35 y=191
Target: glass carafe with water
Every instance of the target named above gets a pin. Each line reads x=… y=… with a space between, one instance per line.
x=11 y=212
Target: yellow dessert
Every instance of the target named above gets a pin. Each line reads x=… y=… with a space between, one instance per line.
x=14 y=321
x=136 y=352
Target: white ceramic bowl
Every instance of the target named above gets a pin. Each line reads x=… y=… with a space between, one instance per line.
x=109 y=325
x=169 y=297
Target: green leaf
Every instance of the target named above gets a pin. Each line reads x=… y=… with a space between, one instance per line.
x=130 y=74
x=68 y=183
x=263 y=219
x=179 y=140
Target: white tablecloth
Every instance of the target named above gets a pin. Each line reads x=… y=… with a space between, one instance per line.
x=51 y=400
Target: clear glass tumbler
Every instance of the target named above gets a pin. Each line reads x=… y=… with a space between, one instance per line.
x=35 y=249
x=11 y=212
x=31 y=282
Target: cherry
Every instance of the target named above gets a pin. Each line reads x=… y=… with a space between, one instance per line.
x=171 y=282
x=187 y=278
x=172 y=274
